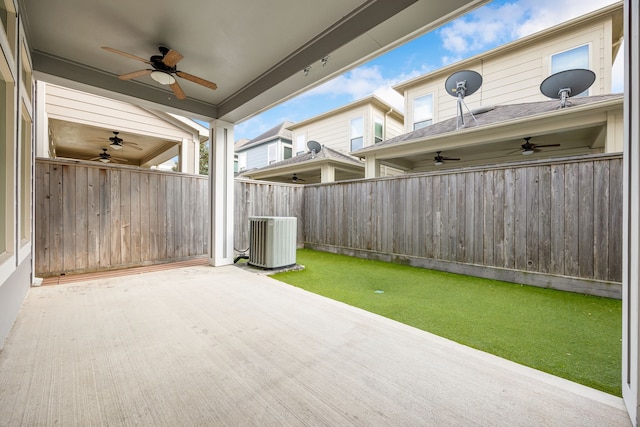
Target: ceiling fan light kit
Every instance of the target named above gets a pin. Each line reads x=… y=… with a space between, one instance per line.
x=162 y=77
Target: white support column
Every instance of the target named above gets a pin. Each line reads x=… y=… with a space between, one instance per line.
x=183 y=158
x=327 y=173
x=221 y=193
x=371 y=167
x=41 y=121
x=631 y=214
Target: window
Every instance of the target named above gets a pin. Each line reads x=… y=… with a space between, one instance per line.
x=5 y=162
x=272 y=153
x=378 y=130
x=570 y=59
x=236 y=168
x=27 y=75
x=300 y=144
x=242 y=161
x=25 y=176
x=287 y=152
x=422 y=111
x=357 y=133
x=8 y=23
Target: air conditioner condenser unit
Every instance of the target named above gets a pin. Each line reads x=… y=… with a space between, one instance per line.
x=272 y=241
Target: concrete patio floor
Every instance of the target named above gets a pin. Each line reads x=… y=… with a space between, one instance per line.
x=204 y=346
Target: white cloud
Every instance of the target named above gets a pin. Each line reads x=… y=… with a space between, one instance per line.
x=498 y=24
x=362 y=82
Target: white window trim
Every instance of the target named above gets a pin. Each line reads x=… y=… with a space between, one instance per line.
x=560 y=52
x=8 y=70
x=300 y=144
x=414 y=118
x=351 y=133
x=272 y=153
x=242 y=161
x=378 y=119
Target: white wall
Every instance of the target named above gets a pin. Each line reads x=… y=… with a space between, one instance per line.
x=17 y=159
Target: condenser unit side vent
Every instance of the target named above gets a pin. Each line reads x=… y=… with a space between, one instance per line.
x=272 y=241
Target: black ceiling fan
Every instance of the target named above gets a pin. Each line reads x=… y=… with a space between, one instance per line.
x=295 y=178
x=105 y=157
x=439 y=159
x=117 y=143
x=163 y=70
x=529 y=148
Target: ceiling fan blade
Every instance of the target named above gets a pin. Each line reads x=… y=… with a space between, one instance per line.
x=135 y=74
x=177 y=90
x=172 y=58
x=449 y=158
x=118 y=159
x=131 y=145
x=546 y=145
x=95 y=158
x=128 y=55
x=197 y=80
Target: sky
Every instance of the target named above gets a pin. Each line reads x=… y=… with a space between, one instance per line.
x=497 y=23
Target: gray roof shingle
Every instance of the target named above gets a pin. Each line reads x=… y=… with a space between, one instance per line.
x=325 y=154
x=495 y=114
x=279 y=131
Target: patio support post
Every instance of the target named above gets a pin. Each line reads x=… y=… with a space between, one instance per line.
x=221 y=193
x=328 y=173
x=184 y=156
x=371 y=167
x=41 y=121
x=631 y=214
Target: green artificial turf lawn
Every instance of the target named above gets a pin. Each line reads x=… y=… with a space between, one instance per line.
x=574 y=336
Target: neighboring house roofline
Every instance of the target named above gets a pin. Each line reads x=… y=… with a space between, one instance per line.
x=240 y=143
x=308 y=161
x=371 y=99
x=568 y=26
x=554 y=120
x=280 y=131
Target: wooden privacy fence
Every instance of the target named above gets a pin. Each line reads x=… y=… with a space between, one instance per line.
x=541 y=223
x=259 y=198
x=547 y=223
x=92 y=217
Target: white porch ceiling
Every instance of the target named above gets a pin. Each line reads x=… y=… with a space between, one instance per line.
x=254 y=51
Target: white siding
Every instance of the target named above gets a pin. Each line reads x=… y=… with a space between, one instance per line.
x=333 y=130
x=514 y=75
x=80 y=107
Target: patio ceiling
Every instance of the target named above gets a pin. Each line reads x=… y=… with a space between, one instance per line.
x=84 y=142
x=571 y=143
x=254 y=51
